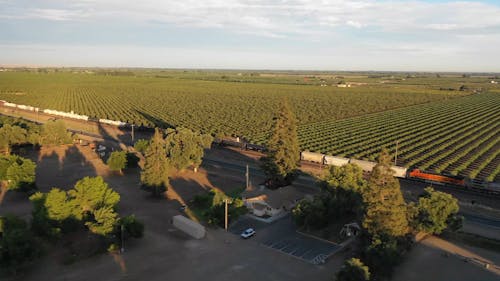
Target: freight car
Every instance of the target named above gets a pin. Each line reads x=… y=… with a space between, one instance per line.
x=64 y=114
x=329 y=160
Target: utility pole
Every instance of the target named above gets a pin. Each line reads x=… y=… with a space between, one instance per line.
x=123 y=246
x=396 y=155
x=225 y=214
x=247 y=175
x=133 y=133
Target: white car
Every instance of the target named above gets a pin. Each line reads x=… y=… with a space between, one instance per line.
x=248 y=233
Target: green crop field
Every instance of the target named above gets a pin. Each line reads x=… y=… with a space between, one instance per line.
x=459 y=136
x=244 y=109
x=439 y=122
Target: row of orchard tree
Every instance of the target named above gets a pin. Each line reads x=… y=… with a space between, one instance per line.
x=388 y=222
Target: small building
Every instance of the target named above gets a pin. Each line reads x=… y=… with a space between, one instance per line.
x=264 y=202
x=343 y=85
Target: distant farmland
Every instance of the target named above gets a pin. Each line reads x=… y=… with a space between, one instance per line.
x=437 y=126
x=244 y=109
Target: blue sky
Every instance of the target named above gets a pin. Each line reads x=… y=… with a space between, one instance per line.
x=257 y=34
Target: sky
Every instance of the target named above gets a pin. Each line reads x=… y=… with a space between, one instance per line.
x=462 y=36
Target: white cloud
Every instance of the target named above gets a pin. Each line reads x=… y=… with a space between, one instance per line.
x=271 y=17
x=355 y=24
x=327 y=34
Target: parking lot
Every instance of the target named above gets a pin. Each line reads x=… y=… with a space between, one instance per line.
x=281 y=235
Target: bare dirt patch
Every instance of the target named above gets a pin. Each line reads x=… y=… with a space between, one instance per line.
x=436 y=259
x=164 y=253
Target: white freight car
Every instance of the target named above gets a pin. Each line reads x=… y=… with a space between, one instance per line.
x=336 y=161
x=312 y=156
x=367 y=166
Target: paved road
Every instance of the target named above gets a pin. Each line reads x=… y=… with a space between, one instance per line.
x=303 y=180
x=490 y=222
x=410 y=186
x=281 y=236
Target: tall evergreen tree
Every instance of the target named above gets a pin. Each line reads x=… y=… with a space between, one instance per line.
x=385 y=208
x=281 y=163
x=154 y=176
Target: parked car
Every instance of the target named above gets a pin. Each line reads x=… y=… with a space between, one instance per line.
x=248 y=233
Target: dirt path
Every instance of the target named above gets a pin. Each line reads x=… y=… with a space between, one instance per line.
x=435 y=259
x=491 y=263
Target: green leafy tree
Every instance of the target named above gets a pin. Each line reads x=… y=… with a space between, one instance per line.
x=313 y=214
x=141 y=145
x=12 y=135
x=385 y=208
x=40 y=222
x=435 y=210
x=383 y=253
x=219 y=197
x=281 y=163
x=353 y=270
x=185 y=148
x=348 y=177
x=104 y=221
x=91 y=194
x=345 y=186
x=132 y=226
x=55 y=133
x=117 y=161
x=17 y=245
x=58 y=205
x=91 y=203
x=154 y=176
x=21 y=173
x=16 y=173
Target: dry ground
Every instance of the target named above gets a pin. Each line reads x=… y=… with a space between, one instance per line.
x=164 y=253
x=436 y=259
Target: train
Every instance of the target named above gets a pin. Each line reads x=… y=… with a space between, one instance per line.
x=64 y=114
x=236 y=142
x=367 y=166
x=405 y=173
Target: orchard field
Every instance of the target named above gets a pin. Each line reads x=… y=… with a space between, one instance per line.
x=441 y=122
x=202 y=102
x=459 y=136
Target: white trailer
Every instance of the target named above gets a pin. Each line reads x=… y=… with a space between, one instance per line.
x=336 y=161
x=312 y=157
x=188 y=226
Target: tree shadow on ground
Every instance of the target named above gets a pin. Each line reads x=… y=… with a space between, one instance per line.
x=57 y=166
x=155 y=121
